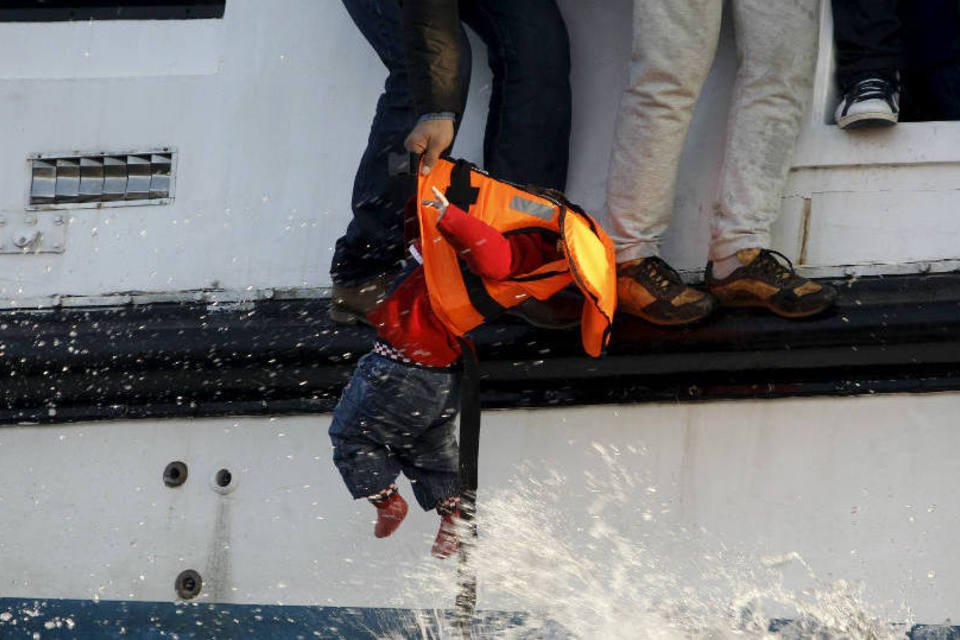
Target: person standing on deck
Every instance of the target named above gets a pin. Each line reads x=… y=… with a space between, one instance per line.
x=674 y=42
x=425 y=50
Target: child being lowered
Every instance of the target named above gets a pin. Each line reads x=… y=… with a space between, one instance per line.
x=484 y=247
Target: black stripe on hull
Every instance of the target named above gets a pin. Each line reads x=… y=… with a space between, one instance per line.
x=61 y=10
x=285 y=356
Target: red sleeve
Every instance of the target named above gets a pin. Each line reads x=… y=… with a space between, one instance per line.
x=488 y=253
x=530 y=251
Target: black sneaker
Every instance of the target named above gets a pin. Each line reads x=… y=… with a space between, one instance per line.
x=349 y=305
x=651 y=289
x=763 y=281
x=872 y=102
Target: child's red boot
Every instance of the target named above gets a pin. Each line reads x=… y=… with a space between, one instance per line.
x=448 y=538
x=391 y=510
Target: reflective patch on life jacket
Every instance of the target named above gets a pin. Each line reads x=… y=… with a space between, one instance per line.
x=532 y=207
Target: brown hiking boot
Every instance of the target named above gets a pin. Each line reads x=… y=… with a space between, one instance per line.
x=763 y=281
x=349 y=305
x=651 y=289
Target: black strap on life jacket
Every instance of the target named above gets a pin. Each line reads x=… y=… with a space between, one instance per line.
x=463 y=194
x=460 y=192
x=469 y=423
x=480 y=298
x=466 y=600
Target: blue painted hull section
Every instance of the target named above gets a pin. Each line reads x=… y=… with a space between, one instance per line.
x=109 y=620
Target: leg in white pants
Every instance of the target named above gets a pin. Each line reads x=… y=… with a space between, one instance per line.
x=777 y=49
x=674 y=44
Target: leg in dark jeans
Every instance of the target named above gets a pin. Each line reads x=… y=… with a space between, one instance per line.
x=868 y=40
x=528 y=126
x=527 y=137
x=934 y=93
x=931 y=75
x=373 y=243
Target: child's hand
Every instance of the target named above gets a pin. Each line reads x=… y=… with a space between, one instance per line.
x=440 y=204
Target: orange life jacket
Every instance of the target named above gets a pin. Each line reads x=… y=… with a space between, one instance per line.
x=464 y=300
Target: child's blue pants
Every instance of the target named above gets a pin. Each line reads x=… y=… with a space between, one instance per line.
x=394 y=417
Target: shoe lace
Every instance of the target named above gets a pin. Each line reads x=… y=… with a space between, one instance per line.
x=870 y=89
x=768 y=264
x=660 y=273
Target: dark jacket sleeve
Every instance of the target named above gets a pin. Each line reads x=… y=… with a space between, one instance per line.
x=431 y=40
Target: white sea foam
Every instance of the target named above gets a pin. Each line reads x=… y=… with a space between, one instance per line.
x=633 y=573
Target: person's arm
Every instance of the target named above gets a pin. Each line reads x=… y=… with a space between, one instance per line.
x=431 y=38
x=486 y=251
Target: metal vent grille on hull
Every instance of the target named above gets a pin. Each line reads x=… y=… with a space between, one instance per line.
x=101 y=179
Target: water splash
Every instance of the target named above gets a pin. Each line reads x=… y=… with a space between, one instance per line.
x=632 y=573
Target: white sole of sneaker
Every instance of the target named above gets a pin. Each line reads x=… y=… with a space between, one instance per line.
x=867 y=120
